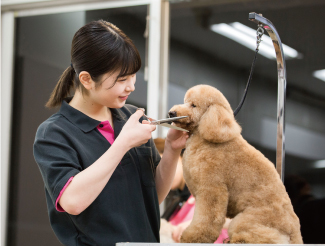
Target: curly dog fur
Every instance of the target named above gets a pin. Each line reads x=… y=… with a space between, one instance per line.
x=230 y=178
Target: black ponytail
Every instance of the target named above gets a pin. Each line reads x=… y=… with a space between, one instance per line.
x=62 y=88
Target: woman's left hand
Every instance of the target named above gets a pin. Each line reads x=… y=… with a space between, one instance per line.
x=177 y=139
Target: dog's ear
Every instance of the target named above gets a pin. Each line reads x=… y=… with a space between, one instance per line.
x=218 y=125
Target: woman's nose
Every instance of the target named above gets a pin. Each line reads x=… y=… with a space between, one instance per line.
x=131 y=85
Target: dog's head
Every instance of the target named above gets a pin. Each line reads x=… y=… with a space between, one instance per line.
x=209 y=112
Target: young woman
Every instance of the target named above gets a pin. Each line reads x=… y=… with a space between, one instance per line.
x=103 y=176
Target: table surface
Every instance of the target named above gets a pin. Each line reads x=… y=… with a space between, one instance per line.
x=193 y=244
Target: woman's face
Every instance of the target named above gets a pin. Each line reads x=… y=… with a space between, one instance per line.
x=113 y=97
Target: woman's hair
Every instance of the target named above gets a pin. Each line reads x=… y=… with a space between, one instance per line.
x=99 y=47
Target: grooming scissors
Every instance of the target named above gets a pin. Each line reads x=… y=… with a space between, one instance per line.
x=163 y=122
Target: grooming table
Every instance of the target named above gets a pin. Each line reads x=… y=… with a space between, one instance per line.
x=193 y=244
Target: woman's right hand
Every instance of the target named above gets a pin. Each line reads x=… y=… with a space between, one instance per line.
x=134 y=133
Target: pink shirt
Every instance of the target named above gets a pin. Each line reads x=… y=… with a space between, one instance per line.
x=107 y=131
x=185 y=213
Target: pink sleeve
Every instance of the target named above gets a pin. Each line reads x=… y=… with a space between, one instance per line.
x=57 y=205
x=185 y=213
x=222 y=237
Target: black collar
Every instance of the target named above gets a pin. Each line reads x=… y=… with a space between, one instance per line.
x=86 y=123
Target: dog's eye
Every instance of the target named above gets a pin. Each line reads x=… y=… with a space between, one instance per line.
x=193 y=105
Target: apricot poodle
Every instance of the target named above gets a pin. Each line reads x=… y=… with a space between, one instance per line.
x=230 y=178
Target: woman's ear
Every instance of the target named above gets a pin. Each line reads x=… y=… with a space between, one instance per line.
x=218 y=125
x=86 y=80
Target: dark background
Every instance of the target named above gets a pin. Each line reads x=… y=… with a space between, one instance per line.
x=197 y=55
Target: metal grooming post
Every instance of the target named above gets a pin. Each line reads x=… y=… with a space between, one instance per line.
x=282 y=86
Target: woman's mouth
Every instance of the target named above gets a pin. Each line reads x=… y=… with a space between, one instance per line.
x=124 y=97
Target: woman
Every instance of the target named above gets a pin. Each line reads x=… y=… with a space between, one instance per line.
x=103 y=176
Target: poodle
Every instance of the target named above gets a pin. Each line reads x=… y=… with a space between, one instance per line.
x=230 y=178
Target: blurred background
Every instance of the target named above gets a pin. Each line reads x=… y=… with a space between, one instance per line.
x=182 y=44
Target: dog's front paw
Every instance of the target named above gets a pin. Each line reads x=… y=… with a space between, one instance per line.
x=188 y=237
x=197 y=234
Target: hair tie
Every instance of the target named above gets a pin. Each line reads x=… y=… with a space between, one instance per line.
x=71 y=66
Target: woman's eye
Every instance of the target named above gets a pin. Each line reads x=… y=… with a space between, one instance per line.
x=193 y=105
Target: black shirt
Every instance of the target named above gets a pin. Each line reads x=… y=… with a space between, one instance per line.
x=127 y=210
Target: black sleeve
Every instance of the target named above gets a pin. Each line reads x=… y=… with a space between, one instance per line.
x=57 y=161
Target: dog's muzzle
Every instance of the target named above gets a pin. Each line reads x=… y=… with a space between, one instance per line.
x=172 y=114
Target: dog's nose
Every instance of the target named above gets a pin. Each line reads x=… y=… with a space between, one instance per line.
x=172 y=114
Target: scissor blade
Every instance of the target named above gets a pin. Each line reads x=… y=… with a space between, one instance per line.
x=172 y=126
x=159 y=122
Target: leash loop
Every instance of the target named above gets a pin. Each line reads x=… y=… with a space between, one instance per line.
x=259 y=34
